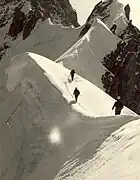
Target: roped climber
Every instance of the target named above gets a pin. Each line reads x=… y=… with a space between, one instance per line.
x=72 y=74
x=76 y=93
x=118 y=105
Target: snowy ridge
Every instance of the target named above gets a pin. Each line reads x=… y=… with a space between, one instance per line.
x=59 y=76
x=51 y=44
x=87 y=54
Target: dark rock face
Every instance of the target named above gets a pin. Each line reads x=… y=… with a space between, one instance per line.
x=60 y=12
x=17 y=25
x=84 y=30
x=124 y=63
x=21 y=16
x=101 y=10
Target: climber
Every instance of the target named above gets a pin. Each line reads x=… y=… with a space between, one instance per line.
x=76 y=93
x=72 y=74
x=113 y=28
x=118 y=105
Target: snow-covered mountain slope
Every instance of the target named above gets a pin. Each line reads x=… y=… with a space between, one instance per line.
x=22 y=16
x=117 y=158
x=21 y=19
x=47 y=40
x=38 y=126
x=59 y=77
x=87 y=54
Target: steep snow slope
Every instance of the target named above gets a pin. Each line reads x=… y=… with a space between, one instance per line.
x=48 y=40
x=86 y=55
x=59 y=76
x=38 y=126
x=117 y=158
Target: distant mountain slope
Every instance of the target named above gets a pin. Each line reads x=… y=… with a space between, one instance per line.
x=20 y=19
x=47 y=40
x=22 y=16
x=87 y=54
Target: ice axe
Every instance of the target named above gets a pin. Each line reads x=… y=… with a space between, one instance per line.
x=112 y=111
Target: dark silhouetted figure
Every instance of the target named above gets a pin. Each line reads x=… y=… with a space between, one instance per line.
x=118 y=105
x=113 y=28
x=76 y=93
x=72 y=74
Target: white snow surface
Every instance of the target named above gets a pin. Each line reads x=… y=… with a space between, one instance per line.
x=87 y=54
x=117 y=158
x=59 y=77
